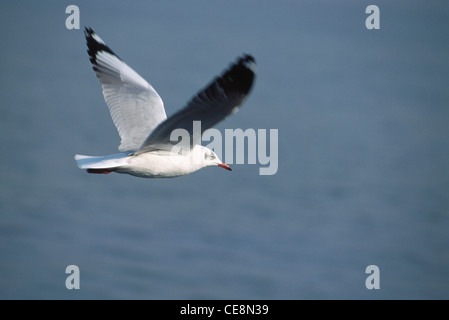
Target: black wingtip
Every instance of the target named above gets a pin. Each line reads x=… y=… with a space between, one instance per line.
x=248 y=58
x=87 y=30
x=242 y=73
x=95 y=44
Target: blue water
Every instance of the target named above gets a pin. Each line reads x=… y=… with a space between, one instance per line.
x=363 y=173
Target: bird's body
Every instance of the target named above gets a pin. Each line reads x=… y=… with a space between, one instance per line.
x=159 y=164
x=152 y=164
x=139 y=115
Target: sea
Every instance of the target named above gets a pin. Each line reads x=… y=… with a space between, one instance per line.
x=358 y=207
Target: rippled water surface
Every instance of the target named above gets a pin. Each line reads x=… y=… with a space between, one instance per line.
x=363 y=152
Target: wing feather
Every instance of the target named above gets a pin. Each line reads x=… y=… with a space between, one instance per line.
x=135 y=107
x=222 y=97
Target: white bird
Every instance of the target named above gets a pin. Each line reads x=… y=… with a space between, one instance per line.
x=139 y=116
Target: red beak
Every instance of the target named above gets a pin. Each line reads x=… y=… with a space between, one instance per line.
x=224 y=165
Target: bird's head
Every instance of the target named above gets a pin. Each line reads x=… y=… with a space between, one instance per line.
x=210 y=158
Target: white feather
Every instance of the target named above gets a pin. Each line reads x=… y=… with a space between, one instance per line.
x=102 y=162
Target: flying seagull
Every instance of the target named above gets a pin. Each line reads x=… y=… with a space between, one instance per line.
x=137 y=110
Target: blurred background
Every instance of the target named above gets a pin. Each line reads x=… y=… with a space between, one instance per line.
x=363 y=174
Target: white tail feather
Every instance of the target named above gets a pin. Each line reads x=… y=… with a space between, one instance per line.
x=102 y=162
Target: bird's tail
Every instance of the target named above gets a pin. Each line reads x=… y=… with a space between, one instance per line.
x=102 y=164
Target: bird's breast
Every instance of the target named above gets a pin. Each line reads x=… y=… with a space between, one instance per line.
x=160 y=165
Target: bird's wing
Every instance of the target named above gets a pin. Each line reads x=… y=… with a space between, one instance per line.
x=135 y=107
x=214 y=103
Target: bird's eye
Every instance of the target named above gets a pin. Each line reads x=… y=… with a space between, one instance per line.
x=212 y=156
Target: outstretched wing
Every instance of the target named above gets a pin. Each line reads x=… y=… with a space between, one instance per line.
x=135 y=106
x=219 y=99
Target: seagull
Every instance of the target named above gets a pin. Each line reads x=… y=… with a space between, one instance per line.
x=137 y=110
